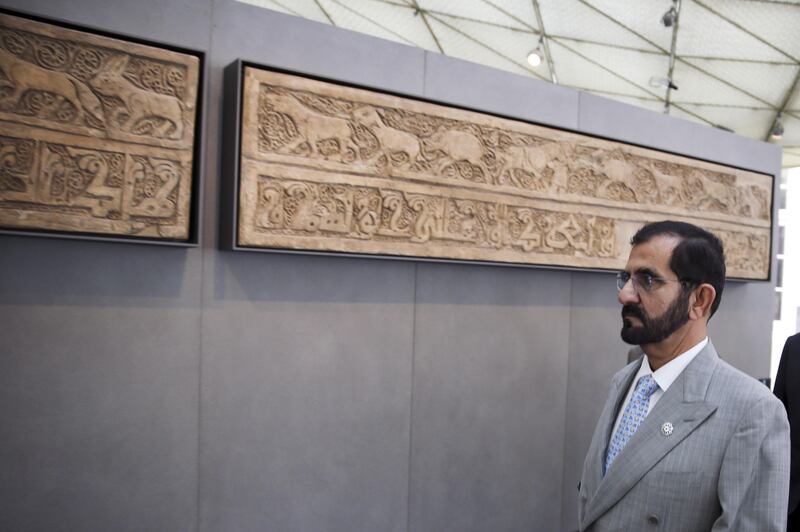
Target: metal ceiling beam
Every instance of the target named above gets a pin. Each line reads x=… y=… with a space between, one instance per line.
x=782 y=108
x=672 y=48
x=421 y=12
x=745 y=30
x=792 y=88
x=622 y=25
x=376 y=23
x=738 y=60
x=605 y=44
x=533 y=29
x=469 y=19
x=287 y=9
x=655 y=99
x=640 y=87
x=536 y=31
x=660 y=52
x=484 y=45
x=545 y=41
x=325 y=12
x=684 y=61
x=728 y=106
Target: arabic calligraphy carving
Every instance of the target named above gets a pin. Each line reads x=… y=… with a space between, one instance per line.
x=300 y=208
x=561 y=194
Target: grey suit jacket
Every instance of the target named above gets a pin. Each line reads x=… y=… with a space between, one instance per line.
x=724 y=466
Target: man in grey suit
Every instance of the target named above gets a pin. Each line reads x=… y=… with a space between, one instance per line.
x=685 y=441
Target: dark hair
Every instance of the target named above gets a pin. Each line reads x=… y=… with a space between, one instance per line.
x=698 y=258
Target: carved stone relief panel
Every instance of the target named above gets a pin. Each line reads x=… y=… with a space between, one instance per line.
x=336 y=168
x=96 y=134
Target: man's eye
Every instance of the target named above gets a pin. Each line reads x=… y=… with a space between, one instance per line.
x=647 y=280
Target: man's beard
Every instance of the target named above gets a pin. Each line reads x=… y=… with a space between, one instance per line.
x=654 y=330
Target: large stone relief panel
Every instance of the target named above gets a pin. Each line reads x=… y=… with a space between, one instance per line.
x=328 y=167
x=97 y=134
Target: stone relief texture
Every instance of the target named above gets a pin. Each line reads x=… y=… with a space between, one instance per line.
x=96 y=133
x=336 y=168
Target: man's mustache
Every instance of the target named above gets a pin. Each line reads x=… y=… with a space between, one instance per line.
x=629 y=310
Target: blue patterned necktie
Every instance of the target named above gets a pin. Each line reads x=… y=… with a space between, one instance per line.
x=632 y=417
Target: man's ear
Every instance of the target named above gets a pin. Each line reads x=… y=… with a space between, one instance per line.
x=700 y=303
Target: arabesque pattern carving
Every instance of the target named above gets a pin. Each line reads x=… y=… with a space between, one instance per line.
x=98 y=132
x=536 y=195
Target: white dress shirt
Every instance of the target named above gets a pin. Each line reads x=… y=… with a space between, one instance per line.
x=664 y=377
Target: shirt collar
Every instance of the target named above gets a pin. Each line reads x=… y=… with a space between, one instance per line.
x=666 y=374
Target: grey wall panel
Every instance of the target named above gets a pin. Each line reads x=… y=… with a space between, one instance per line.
x=471 y=85
x=306 y=360
x=489 y=388
x=98 y=386
x=742 y=327
x=306 y=394
x=596 y=353
x=607 y=118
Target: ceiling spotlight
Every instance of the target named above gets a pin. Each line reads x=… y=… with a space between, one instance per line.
x=535 y=55
x=777 y=128
x=534 y=59
x=669 y=18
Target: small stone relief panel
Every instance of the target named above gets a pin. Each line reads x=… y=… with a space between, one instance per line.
x=336 y=168
x=97 y=134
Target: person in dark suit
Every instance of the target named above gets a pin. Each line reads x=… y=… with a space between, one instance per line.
x=787 y=388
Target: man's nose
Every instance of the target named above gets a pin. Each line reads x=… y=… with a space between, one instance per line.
x=628 y=294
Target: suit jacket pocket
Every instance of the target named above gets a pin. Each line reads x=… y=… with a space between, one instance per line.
x=676 y=500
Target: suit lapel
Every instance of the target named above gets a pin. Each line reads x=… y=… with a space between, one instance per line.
x=683 y=406
x=597 y=451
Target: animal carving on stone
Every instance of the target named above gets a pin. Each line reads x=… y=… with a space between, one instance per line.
x=144 y=112
x=753 y=202
x=313 y=127
x=458 y=147
x=546 y=162
x=396 y=144
x=70 y=96
x=720 y=192
x=625 y=180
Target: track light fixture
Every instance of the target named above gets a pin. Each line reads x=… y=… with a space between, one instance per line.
x=777 y=128
x=669 y=18
x=656 y=81
x=535 y=55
